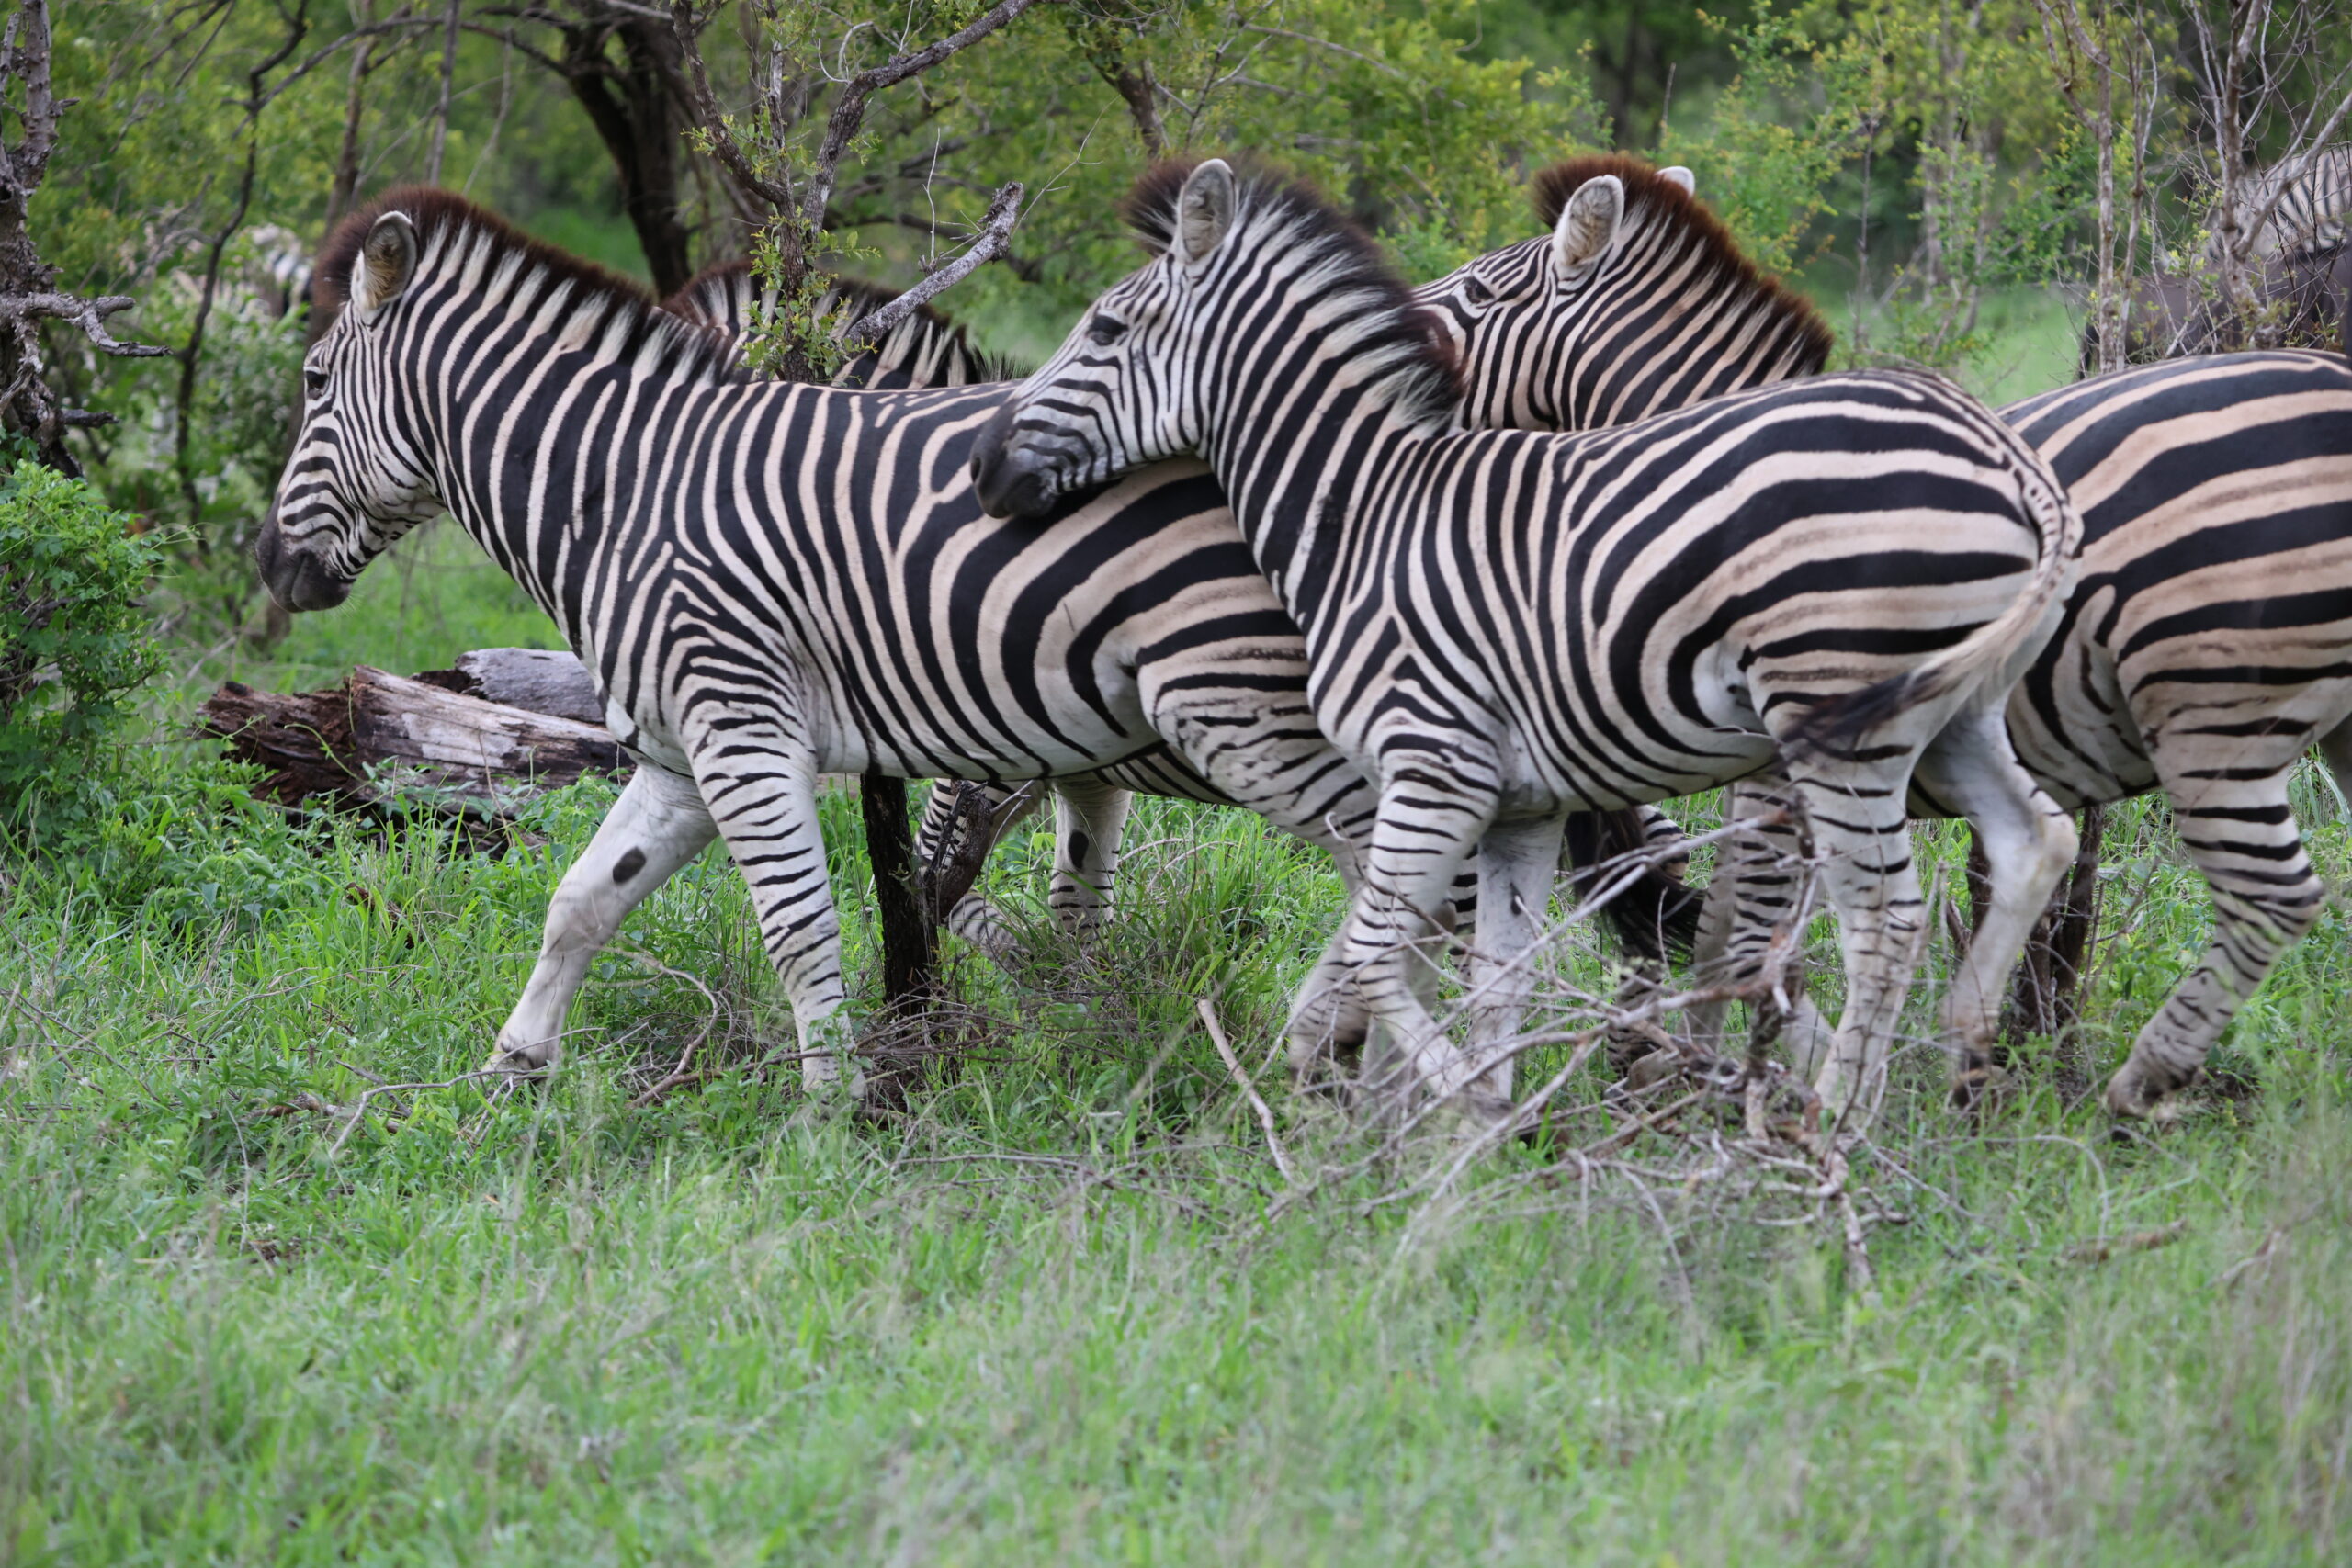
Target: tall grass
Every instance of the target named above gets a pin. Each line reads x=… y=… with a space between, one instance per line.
x=1041 y=1319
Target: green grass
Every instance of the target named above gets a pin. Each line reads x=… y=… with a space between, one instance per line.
x=1041 y=1321
x=1046 y=1317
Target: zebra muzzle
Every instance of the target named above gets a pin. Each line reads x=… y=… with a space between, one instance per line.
x=297 y=580
x=1011 y=481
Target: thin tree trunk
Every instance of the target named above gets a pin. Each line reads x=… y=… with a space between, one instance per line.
x=441 y=116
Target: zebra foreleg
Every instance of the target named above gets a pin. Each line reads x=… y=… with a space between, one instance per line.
x=764 y=800
x=1970 y=769
x=656 y=827
x=2242 y=835
x=1395 y=935
x=1518 y=863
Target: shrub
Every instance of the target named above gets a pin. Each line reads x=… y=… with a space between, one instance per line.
x=74 y=639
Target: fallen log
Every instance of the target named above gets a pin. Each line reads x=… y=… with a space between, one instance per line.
x=380 y=740
x=539 y=680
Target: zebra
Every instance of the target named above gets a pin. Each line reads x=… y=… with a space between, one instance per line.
x=924 y=351
x=1503 y=625
x=771 y=580
x=2299 y=206
x=1657 y=915
x=2204 y=649
x=929 y=350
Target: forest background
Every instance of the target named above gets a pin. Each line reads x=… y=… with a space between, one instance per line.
x=1931 y=171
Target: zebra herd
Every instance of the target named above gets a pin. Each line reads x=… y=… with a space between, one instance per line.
x=1418 y=576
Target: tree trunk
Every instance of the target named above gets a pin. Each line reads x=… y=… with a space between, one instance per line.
x=634 y=105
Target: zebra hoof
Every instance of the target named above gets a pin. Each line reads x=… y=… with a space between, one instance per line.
x=2137 y=1092
x=519 y=1064
x=1977 y=1086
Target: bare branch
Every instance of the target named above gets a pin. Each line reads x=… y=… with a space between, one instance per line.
x=704 y=104
x=849 y=109
x=1257 y=1102
x=996 y=232
x=89 y=315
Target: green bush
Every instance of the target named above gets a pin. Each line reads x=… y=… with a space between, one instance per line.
x=74 y=639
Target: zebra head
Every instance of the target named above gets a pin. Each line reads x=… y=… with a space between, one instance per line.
x=1249 y=278
x=354 y=482
x=1637 y=303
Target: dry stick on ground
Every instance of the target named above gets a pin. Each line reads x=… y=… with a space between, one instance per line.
x=678 y=1075
x=358 y=1110
x=1754 y=1169
x=1250 y=1091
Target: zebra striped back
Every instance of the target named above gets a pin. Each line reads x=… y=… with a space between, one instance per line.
x=924 y=350
x=2309 y=199
x=1637 y=302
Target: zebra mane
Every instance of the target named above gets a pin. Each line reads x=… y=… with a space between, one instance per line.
x=709 y=300
x=1648 y=192
x=622 y=313
x=1391 y=323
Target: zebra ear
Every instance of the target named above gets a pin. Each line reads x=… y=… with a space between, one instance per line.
x=1587 y=225
x=1203 y=211
x=386 y=262
x=1679 y=175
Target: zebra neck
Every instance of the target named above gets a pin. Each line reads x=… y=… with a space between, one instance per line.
x=1305 y=489
x=546 y=455
x=1697 y=341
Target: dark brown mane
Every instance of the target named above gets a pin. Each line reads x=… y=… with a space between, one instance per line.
x=925 y=325
x=1646 y=189
x=1150 y=210
x=430 y=210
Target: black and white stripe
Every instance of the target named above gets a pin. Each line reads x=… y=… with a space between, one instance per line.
x=768 y=581
x=1505 y=627
x=2301 y=206
x=2208 y=642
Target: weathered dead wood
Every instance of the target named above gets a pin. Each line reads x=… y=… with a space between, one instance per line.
x=380 y=739
x=543 y=681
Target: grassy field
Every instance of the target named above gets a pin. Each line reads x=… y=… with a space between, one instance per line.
x=1052 y=1315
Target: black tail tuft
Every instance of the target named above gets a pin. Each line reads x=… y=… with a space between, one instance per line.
x=1838 y=727
x=1657 y=916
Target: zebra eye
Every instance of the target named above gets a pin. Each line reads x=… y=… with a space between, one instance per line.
x=315 y=382
x=1477 y=292
x=1103 y=330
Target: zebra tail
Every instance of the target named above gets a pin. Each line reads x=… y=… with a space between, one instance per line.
x=1657 y=916
x=1999 y=651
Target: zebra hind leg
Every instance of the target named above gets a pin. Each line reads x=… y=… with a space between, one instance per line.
x=1518 y=863
x=1089 y=816
x=1971 y=771
x=764 y=799
x=1862 y=831
x=1758 y=883
x=974 y=917
x=2242 y=834
x=656 y=827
